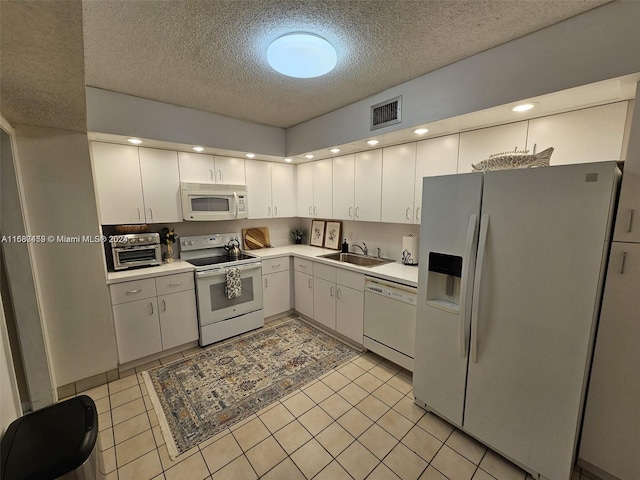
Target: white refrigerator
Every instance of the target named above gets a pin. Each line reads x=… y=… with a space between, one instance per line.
x=511 y=270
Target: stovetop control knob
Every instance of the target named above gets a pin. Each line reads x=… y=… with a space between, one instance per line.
x=184 y=243
x=190 y=242
x=132 y=240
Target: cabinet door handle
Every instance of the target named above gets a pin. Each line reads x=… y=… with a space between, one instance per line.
x=309 y=283
x=339 y=294
x=133 y=292
x=211 y=175
x=407 y=213
x=624 y=260
x=266 y=283
x=220 y=176
x=138 y=213
x=175 y=284
x=350 y=209
x=631 y=214
x=310 y=213
x=164 y=305
x=418 y=213
x=151 y=305
x=315 y=210
x=357 y=212
x=268 y=211
x=151 y=214
x=331 y=291
x=275 y=211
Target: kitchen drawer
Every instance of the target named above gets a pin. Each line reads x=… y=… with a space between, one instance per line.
x=303 y=265
x=134 y=290
x=274 y=265
x=174 y=283
x=326 y=272
x=350 y=279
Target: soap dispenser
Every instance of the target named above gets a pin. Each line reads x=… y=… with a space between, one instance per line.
x=345 y=246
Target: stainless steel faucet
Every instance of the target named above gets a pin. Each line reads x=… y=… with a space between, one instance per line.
x=364 y=249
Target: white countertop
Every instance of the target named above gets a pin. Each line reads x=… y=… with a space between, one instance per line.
x=394 y=272
x=177 y=266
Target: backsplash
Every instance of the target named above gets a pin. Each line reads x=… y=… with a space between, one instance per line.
x=386 y=236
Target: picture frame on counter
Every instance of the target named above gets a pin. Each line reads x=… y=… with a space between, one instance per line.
x=317 y=233
x=332 y=235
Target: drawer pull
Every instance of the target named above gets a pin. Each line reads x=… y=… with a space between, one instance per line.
x=302 y=266
x=133 y=292
x=175 y=284
x=275 y=266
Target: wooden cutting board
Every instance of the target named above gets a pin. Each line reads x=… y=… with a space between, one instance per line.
x=254 y=238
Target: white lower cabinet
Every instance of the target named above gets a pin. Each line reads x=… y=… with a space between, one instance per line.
x=337 y=297
x=153 y=315
x=303 y=286
x=276 y=286
x=350 y=305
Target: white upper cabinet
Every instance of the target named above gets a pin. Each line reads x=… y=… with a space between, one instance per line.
x=282 y=196
x=435 y=156
x=196 y=167
x=368 y=185
x=343 y=187
x=478 y=145
x=136 y=185
x=203 y=168
x=323 y=188
x=229 y=170
x=270 y=189
x=118 y=183
x=398 y=181
x=258 y=189
x=304 y=189
x=160 y=185
x=314 y=186
x=589 y=135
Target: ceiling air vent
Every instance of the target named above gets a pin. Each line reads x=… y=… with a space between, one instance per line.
x=386 y=113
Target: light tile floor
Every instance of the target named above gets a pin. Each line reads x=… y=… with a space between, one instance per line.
x=356 y=422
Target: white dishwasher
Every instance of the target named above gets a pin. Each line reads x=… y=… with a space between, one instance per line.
x=390 y=320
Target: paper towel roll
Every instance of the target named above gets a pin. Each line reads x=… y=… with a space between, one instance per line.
x=410 y=250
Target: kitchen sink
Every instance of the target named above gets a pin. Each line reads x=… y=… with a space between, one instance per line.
x=355 y=259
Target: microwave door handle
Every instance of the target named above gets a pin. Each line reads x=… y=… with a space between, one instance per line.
x=235 y=196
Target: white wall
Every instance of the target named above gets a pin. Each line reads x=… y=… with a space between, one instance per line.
x=597 y=45
x=58 y=186
x=9 y=399
x=120 y=114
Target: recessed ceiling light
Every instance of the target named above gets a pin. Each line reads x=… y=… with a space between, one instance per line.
x=334 y=150
x=523 y=107
x=302 y=55
x=420 y=131
x=288 y=160
x=135 y=141
x=198 y=149
x=372 y=142
x=250 y=155
x=309 y=156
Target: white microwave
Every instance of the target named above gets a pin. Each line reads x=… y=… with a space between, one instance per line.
x=209 y=201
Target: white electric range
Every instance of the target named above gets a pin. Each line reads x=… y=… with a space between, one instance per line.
x=220 y=317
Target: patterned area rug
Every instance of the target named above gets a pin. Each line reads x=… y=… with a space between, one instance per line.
x=196 y=397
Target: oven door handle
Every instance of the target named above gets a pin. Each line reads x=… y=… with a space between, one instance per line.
x=222 y=271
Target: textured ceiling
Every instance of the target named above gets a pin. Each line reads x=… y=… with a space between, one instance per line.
x=42 y=64
x=210 y=54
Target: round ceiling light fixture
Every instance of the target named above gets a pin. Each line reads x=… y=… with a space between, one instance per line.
x=524 y=107
x=302 y=55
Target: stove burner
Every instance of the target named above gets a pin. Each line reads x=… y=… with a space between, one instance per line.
x=203 y=262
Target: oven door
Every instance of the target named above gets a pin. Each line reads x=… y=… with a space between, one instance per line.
x=213 y=304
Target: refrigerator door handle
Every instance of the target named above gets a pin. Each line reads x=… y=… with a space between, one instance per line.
x=475 y=307
x=464 y=287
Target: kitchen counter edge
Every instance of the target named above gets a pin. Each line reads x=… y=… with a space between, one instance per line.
x=394 y=272
x=177 y=266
